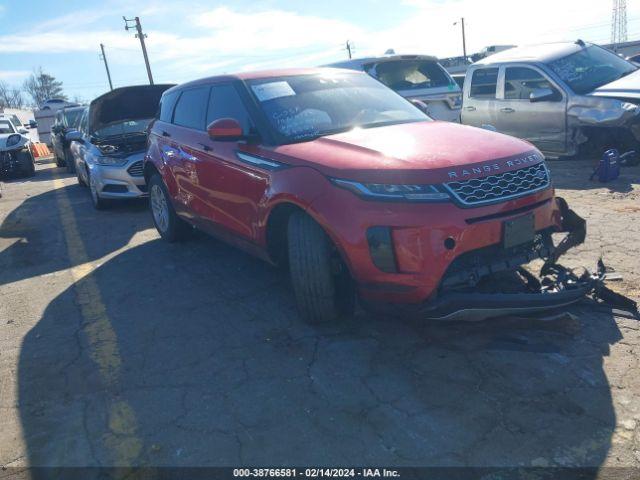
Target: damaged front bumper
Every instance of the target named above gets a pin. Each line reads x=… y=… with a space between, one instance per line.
x=556 y=287
x=10 y=162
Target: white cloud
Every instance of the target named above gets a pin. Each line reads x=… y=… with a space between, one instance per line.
x=229 y=39
x=13 y=75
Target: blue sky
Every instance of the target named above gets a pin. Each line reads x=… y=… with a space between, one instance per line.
x=191 y=39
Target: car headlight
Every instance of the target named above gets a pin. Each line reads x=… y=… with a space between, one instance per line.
x=628 y=106
x=389 y=191
x=13 y=140
x=111 y=161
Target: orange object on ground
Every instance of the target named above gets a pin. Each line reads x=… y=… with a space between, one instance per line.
x=40 y=150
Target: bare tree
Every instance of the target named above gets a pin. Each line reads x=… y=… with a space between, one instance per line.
x=41 y=86
x=10 y=97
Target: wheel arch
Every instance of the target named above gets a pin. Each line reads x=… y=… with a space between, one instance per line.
x=276 y=232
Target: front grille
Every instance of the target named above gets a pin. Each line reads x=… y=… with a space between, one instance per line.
x=501 y=186
x=467 y=269
x=135 y=170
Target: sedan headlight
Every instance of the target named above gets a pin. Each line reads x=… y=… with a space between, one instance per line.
x=111 y=161
x=13 y=140
x=629 y=107
x=389 y=191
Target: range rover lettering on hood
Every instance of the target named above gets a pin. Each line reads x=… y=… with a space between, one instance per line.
x=499 y=165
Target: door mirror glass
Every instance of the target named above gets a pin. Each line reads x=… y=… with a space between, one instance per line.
x=225 y=129
x=74 y=135
x=542 y=95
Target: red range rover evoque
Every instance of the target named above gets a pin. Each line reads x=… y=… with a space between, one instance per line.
x=354 y=188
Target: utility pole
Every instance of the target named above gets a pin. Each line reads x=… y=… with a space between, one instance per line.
x=349 y=46
x=141 y=36
x=464 y=39
x=106 y=66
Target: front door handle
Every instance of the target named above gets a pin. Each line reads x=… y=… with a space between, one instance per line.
x=507 y=110
x=470 y=109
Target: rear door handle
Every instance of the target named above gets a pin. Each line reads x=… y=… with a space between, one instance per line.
x=507 y=110
x=470 y=109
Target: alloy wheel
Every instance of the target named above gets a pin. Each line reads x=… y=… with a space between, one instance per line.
x=159 y=208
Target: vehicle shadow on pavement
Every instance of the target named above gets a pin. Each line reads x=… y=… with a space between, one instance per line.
x=204 y=362
x=38 y=238
x=574 y=175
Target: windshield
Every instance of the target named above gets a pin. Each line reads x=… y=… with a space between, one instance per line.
x=6 y=127
x=590 y=68
x=127 y=127
x=72 y=117
x=304 y=107
x=410 y=74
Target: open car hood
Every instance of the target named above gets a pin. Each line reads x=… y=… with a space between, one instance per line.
x=625 y=87
x=126 y=103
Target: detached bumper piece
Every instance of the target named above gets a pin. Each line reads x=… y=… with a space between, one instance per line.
x=559 y=288
x=556 y=287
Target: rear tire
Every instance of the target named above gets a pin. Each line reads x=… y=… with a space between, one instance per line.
x=81 y=180
x=27 y=163
x=322 y=284
x=169 y=225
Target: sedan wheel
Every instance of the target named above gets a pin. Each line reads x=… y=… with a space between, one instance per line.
x=98 y=203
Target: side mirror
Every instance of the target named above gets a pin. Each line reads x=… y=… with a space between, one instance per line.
x=23 y=131
x=74 y=136
x=225 y=129
x=420 y=105
x=33 y=124
x=542 y=95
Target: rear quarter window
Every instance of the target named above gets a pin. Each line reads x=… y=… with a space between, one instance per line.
x=484 y=83
x=167 y=104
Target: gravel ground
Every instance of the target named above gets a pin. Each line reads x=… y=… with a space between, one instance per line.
x=119 y=349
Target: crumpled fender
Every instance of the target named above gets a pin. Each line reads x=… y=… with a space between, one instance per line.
x=600 y=112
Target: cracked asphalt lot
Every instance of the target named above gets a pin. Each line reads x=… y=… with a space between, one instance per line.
x=119 y=349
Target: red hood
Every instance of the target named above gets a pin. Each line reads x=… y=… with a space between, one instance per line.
x=424 y=152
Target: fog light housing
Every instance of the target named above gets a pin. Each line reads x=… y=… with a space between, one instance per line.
x=381 y=249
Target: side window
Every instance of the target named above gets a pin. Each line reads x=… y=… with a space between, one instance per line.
x=191 y=108
x=519 y=82
x=167 y=103
x=225 y=102
x=484 y=83
x=83 y=121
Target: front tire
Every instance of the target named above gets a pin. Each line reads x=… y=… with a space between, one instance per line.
x=322 y=284
x=97 y=202
x=169 y=225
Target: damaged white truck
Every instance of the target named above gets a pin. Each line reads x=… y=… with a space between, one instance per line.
x=565 y=98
